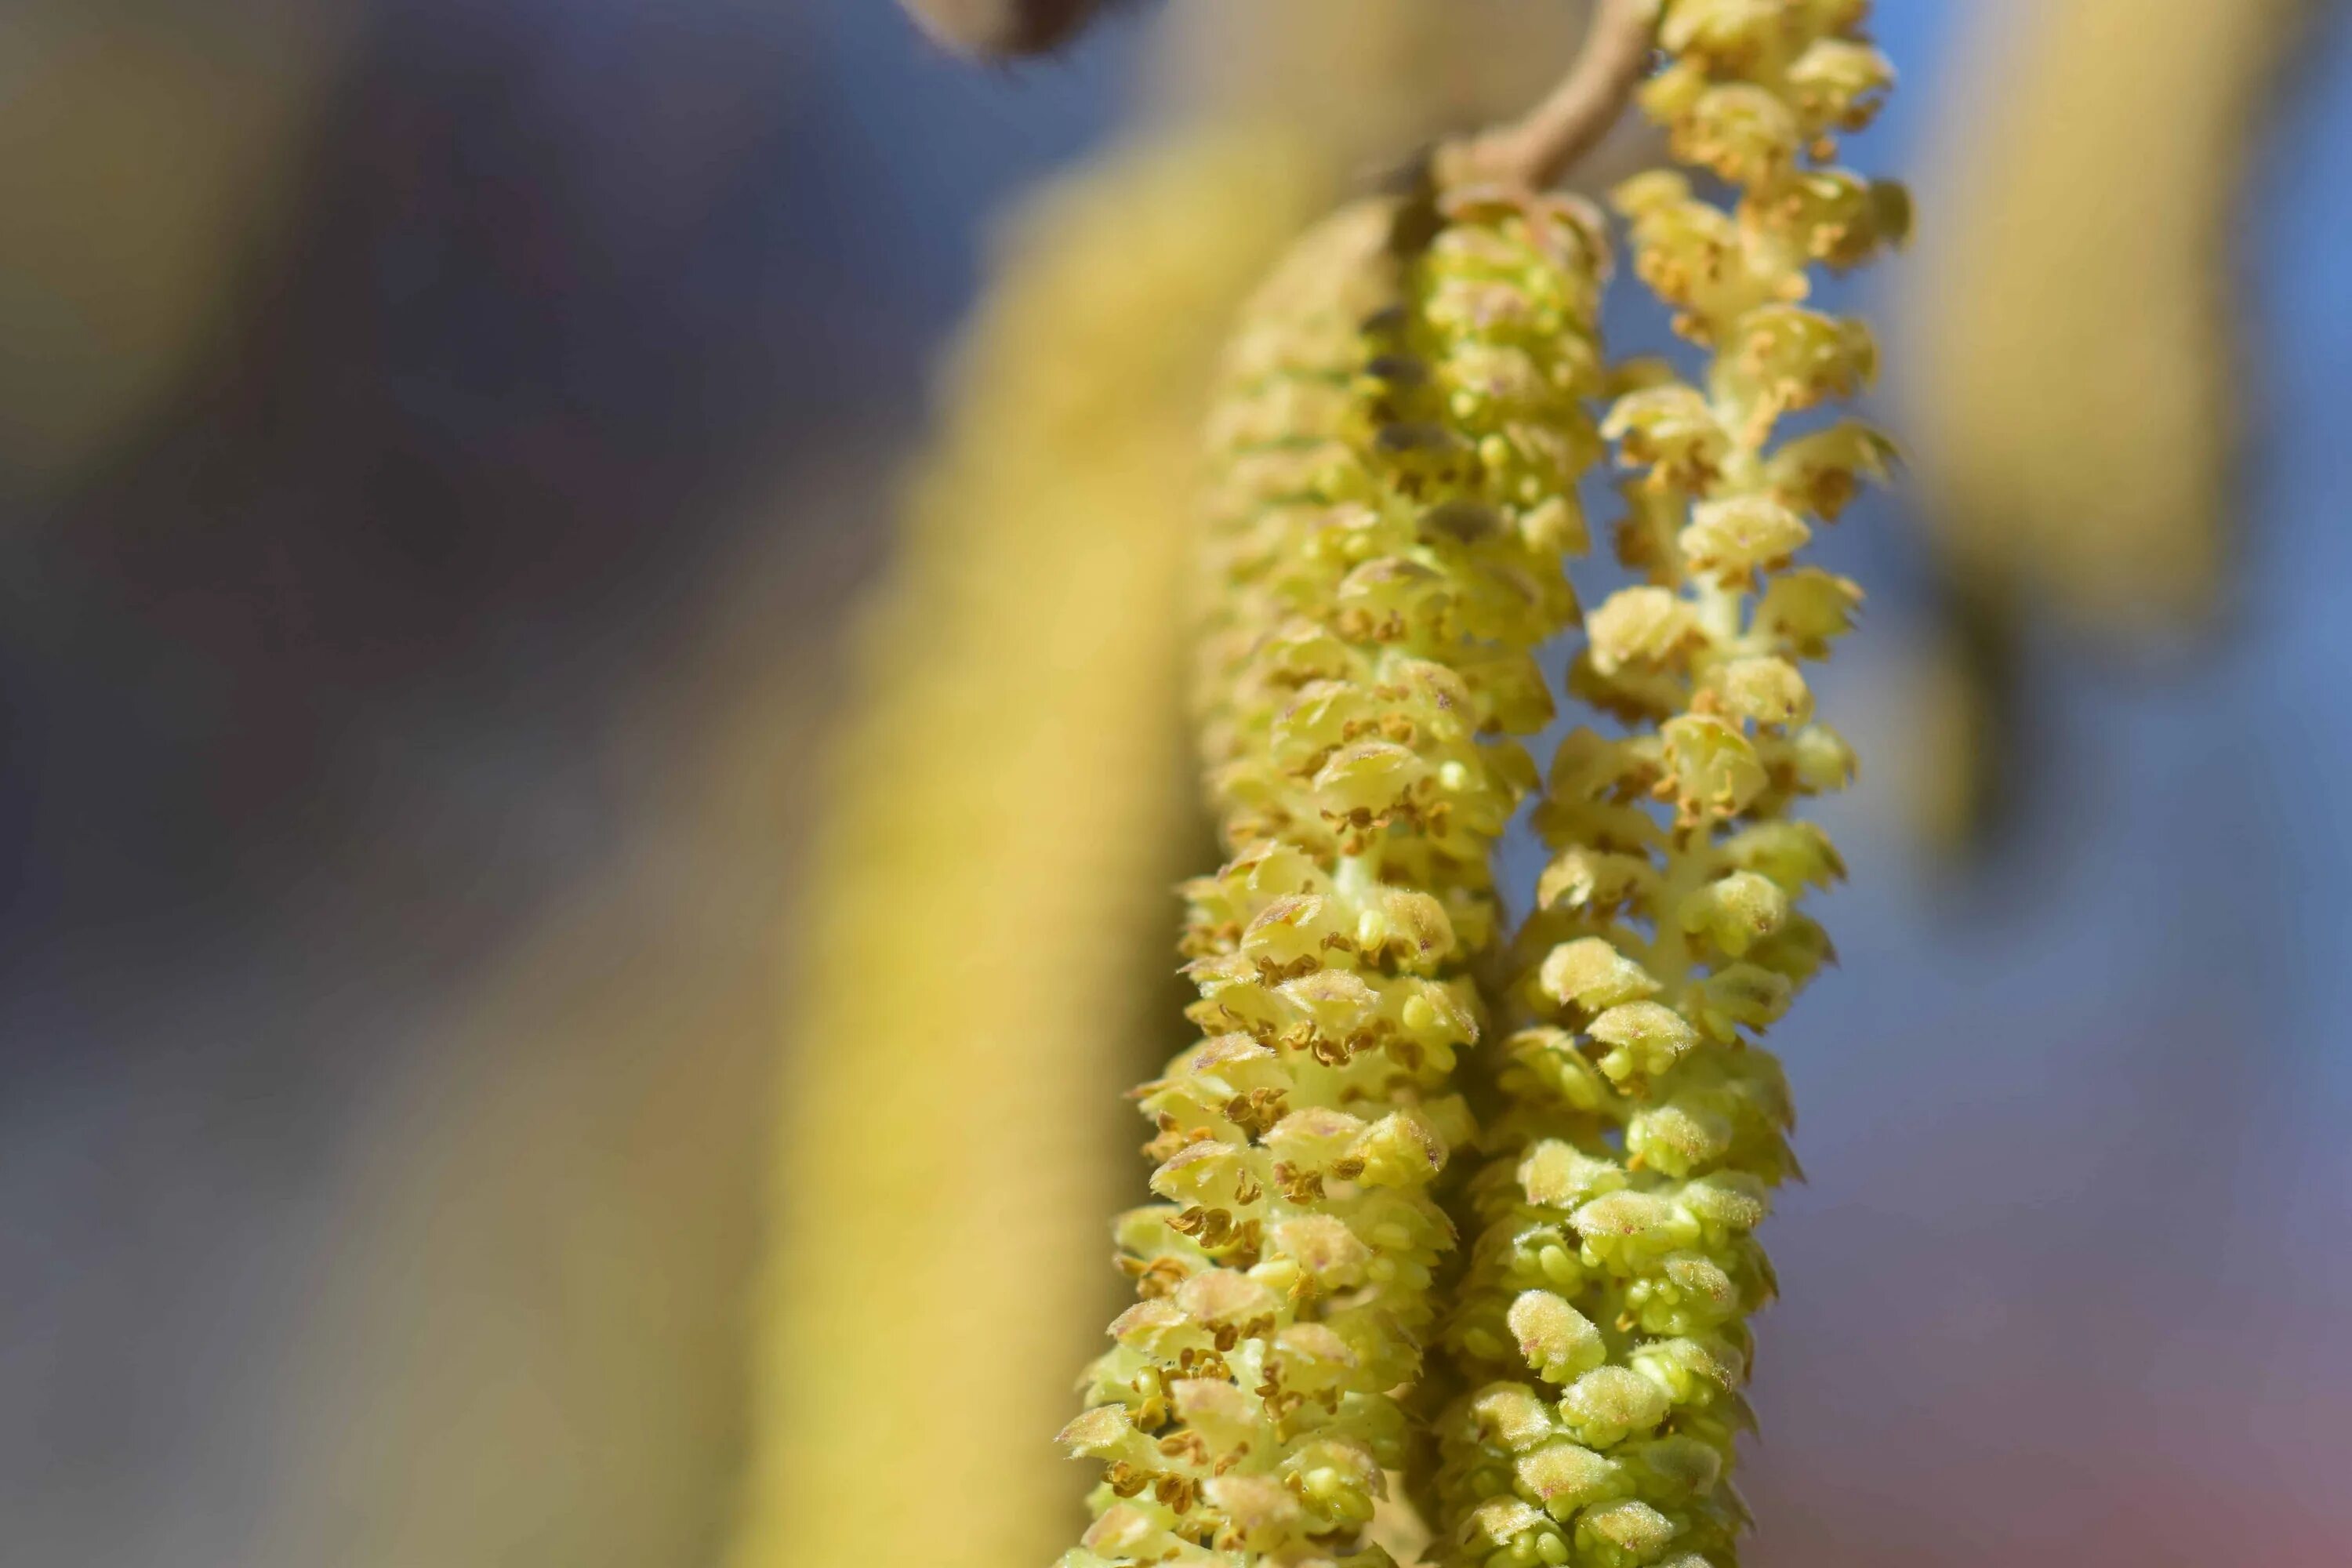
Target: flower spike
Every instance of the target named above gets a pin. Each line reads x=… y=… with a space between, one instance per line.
x=1393 y=467
x=1601 y=1335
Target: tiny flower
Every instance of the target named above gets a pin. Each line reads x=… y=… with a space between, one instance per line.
x=1513 y=1416
x=1557 y=1340
x=1591 y=974
x=1566 y=1476
x=1556 y=1174
x=1609 y=1403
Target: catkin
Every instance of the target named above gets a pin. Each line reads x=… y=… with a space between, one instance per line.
x=1395 y=453
x=2075 y=410
x=2073 y=395
x=1601 y=1333
x=1008 y=808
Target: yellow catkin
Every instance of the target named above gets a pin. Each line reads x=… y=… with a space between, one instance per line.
x=1600 y=1337
x=2073 y=406
x=1009 y=810
x=2072 y=394
x=1394 y=455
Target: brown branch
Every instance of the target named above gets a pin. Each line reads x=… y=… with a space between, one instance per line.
x=1002 y=30
x=1540 y=147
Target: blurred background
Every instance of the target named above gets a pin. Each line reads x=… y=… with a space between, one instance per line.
x=441 y=443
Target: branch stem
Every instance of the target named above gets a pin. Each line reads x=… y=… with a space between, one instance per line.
x=1537 y=149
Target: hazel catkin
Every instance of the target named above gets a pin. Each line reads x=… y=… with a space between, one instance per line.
x=1601 y=1334
x=1394 y=459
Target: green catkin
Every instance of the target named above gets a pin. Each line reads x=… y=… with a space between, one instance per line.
x=1601 y=1332
x=1392 y=462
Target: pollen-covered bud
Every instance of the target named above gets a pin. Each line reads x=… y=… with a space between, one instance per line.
x=1105 y=1433
x=1401 y=1150
x=1339 y=1480
x=1639 y=626
x=1729 y=1202
x=1676 y=1139
x=1693 y=256
x=1557 y=1340
x=1632 y=1227
x=1369 y=781
x=1314 y=1139
x=1623 y=1535
x=1512 y=1416
x=1691 y=1291
x=1838 y=84
x=1328 y=1257
x=1644 y=1039
x=1336 y=1004
x=1512 y=1531
x=1292 y=928
x=1563 y=1477
x=1731 y=539
x=1409 y=925
x=1786 y=358
x=1591 y=974
x=1763 y=691
x=1556 y=1175
x=1609 y=1403
x=1206 y=1172
x=1735 y=912
x=1227 y=1299
x=1711 y=767
x=1224 y=1416
x=1312 y=1357
x=1124 y=1531
x=1690 y=1369
x=1744 y=133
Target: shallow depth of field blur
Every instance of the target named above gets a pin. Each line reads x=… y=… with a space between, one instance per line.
x=439 y=440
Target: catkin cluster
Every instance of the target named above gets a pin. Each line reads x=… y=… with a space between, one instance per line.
x=1394 y=457
x=1601 y=1332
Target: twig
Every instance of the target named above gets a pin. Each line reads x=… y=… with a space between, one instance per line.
x=1540 y=147
x=1002 y=30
